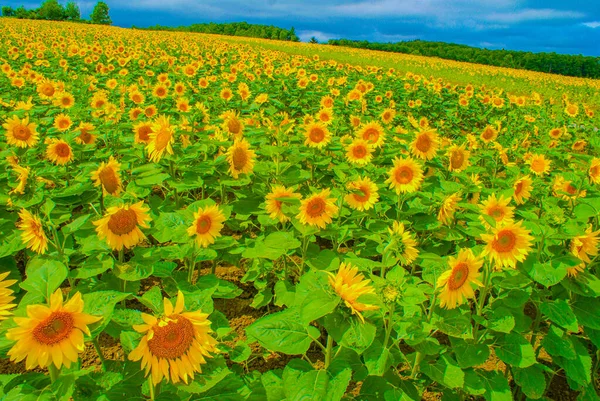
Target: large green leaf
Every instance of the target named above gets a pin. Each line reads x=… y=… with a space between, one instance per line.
x=283 y=332
x=560 y=312
x=444 y=371
x=314 y=296
x=531 y=380
x=515 y=350
x=44 y=275
x=467 y=354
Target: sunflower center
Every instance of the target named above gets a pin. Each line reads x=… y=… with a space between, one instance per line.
x=316 y=207
x=162 y=139
x=160 y=92
x=457 y=159
x=144 y=132
x=359 y=151
x=570 y=189
x=21 y=132
x=460 y=273
x=594 y=171
x=122 y=222
x=317 y=135
x=505 y=241
x=240 y=158
x=66 y=101
x=85 y=136
x=57 y=327
x=109 y=180
x=203 y=224
x=371 y=134
x=366 y=194
x=234 y=126
x=63 y=123
x=62 y=150
x=496 y=212
x=48 y=90
x=173 y=340
x=488 y=134
x=404 y=175
x=423 y=143
x=538 y=165
x=519 y=188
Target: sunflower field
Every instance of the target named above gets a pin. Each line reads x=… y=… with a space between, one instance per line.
x=188 y=217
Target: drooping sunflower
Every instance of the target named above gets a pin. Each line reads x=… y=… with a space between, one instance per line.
x=85 y=136
x=59 y=152
x=497 y=209
x=232 y=124
x=62 y=122
x=240 y=158
x=20 y=133
x=359 y=152
x=425 y=144
x=522 y=189
x=456 y=284
x=207 y=225
x=405 y=243
x=161 y=138
x=51 y=334
x=350 y=285
x=318 y=209
x=448 y=208
x=373 y=133
x=32 y=235
x=584 y=246
x=458 y=158
x=405 y=176
x=142 y=131
x=489 y=134
x=363 y=194
x=507 y=244
x=23 y=176
x=6 y=296
x=107 y=176
x=539 y=165
x=120 y=226
x=566 y=190
x=317 y=135
x=274 y=201
x=175 y=344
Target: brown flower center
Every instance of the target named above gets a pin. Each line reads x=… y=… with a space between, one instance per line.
x=366 y=194
x=21 y=132
x=110 y=180
x=144 y=133
x=57 y=327
x=122 y=222
x=62 y=150
x=538 y=165
x=240 y=158
x=505 y=241
x=423 y=143
x=161 y=92
x=203 y=224
x=371 y=134
x=64 y=123
x=488 y=134
x=359 y=151
x=459 y=275
x=457 y=159
x=404 y=175
x=48 y=90
x=316 y=207
x=234 y=126
x=496 y=212
x=162 y=139
x=317 y=135
x=173 y=340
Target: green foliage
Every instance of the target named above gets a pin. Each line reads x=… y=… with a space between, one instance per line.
x=100 y=15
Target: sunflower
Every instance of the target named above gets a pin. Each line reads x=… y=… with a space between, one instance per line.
x=489 y=134
x=275 y=199
x=539 y=165
x=240 y=158
x=364 y=194
x=571 y=109
x=317 y=135
x=349 y=284
x=226 y=94
x=373 y=133
x=59 y=152
x=232 y=124
x=507 y=244
x=51 y=334
x=318 y=209
x=497 y=209
x=6 y=296
x=579 y=145
x=594 y=171
x=566 y=190
x=405 y=176
x=555 y=133
x=142 y=132
x=456 y=284
x=64 y=100
x=325 y=116
x=32 y=235
x=160 y=140
x=359 y=152
x=522 y=189
x=23 y=176
x=405 y=243
x=85 y=136
x=388 y=115
x=449 y=206
x=121 y=225
x=458 y=158
x=46 y=89
x=584 y=246
x=107 y=176
x=425 y=144
x=20 y=133
x=208 y=222
x=62 y=122
x=160 y=91
x=175 y=344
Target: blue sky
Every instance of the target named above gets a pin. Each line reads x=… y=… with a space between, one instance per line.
x=533 y=25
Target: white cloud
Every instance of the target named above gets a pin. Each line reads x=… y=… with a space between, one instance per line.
x=320 y=36
x=593 y=24
x=533 y=14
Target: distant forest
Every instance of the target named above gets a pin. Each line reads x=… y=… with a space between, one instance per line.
x=571 y=65
x=235 y=29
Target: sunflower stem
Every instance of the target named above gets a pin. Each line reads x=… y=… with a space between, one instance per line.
x=99 y=351
x=151 y=388
x=54 y=372
x=388 y=328
x=328 y=349
x=191 y=265
x=482 y=296
x=415 y=369
x=101 y=201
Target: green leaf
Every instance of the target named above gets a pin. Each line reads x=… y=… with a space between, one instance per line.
x=241 y=352
x=557 y=343
x=314 y=296
x=495 y=385
x=92 y=267
x=587 y=311
x=153 y=299
x=445 y=371
x=75 y=224
x=501 y=320
x=283 y=332
x=531 y=380
x=359 y=336
x=151 y=180
x=171 y=227
x=301 y=382
x=338 y=384
x=102 y=303
x=560 y=312
x=44 y=276
x=515 y=350
x=377 y=359
x=467 y=354
x=284 y=293
x=578 y=369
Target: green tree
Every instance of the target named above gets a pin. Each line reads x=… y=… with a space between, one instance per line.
x=313 y=40
x=8 y=11
x=51 y=10
x=72 y=12
x=21 y=12
x=100 y=14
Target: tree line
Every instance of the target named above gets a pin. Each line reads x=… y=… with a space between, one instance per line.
x=54 y=11
x=562 y=64
x=235 y=29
